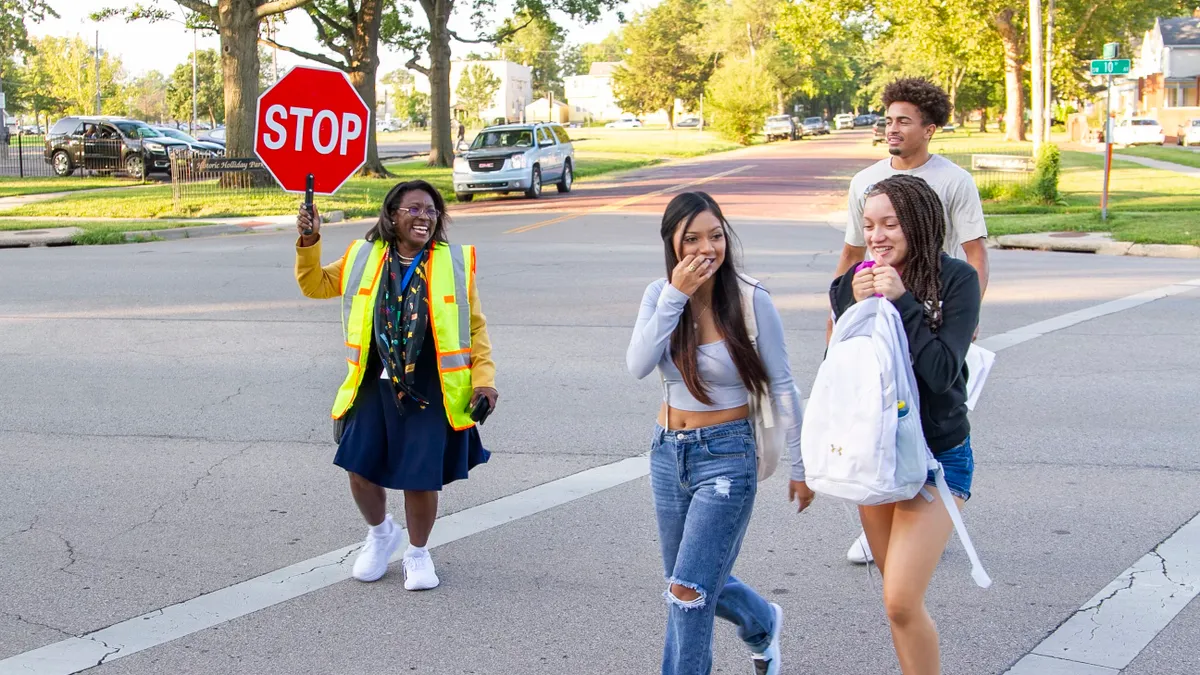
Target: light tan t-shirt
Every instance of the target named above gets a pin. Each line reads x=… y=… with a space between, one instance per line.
x=953 y=185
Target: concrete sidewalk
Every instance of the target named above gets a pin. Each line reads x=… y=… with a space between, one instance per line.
x=1158 y=164
x=1100 y=243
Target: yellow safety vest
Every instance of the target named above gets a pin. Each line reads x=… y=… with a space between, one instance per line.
x=451 y=272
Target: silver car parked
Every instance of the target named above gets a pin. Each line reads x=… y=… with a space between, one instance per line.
x=515 y=158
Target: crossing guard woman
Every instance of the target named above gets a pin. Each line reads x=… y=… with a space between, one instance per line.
x=419 y=372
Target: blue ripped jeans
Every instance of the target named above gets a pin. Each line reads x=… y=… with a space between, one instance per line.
x=704 y=482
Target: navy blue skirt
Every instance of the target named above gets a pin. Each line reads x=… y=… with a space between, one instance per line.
x=410 y=450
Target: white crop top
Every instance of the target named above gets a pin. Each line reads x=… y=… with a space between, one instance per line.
x=662 y=306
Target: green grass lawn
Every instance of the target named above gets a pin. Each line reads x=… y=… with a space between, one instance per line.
x=1163 y=227
x=1146 y=206
x=95 y=231
x=1164 y=153
x=11 y=187
x=358 y=198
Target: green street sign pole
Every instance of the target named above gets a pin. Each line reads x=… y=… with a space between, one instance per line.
x=1107 y=150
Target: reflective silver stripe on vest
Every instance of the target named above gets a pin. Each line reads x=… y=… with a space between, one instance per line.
x=461 y=297
x=452 y=361
x=350 y=285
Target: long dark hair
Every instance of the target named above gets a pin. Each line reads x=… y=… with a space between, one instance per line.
x=385 y=227
x=726 y=302
x=923 y=222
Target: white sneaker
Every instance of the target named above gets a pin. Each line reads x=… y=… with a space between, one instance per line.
x=769 y=662
x=860 y=551
x=418 y=572
x=372 y=562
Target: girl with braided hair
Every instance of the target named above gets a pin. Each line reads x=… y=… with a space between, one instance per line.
x=938 y=298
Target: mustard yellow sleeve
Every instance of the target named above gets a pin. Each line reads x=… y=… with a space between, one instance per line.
x=483 y=369
x=316 y=281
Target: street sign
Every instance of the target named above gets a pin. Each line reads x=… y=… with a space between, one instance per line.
x=1110 y=66
x=1111 y=49
x=311 y=121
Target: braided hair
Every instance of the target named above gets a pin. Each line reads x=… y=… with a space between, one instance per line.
x=923 y=222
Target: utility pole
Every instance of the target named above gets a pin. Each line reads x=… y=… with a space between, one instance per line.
x=192 y=124
x=97 y=71
x=1047 y=101
x=1035 y=53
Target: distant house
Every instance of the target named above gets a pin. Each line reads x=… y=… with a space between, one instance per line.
x=591 y=96
x=514 y=94
x=545 y=110
x=1167 y=68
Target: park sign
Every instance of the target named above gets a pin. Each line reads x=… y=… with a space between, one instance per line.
x=1110 y=66
x=311 y=121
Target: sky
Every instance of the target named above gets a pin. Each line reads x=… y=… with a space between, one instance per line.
x=161 y=46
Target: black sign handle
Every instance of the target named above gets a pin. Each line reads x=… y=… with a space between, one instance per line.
x=308 y=199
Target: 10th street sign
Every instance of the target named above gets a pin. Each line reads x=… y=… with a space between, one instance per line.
x=1110 y=66
x=311 y=121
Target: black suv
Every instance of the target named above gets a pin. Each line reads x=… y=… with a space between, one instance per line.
x=108 y=144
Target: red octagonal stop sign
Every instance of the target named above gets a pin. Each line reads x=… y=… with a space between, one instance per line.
x=311 y=121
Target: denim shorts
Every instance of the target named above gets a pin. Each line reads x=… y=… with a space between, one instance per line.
x=959 y=464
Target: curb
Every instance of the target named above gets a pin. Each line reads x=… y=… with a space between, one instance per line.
x=58 y=236
x=239 y=226
x=1100 y=243
x=65 y=236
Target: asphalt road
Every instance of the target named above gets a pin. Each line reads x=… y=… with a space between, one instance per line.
x=165 y=434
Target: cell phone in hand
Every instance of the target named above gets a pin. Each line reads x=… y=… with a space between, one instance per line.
x=482 y=409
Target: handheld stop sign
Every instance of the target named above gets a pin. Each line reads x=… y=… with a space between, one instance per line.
x=310 y=131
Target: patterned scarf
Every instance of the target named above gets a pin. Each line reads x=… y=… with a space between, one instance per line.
x=400 y=326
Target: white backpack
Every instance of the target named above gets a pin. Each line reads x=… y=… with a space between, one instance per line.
x=770 y=438
x=862 y=439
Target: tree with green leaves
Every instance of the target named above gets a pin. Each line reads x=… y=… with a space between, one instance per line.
x=434 y=43
x=477 y=90
x=741 y=94
x=14 y=35
x=146 y=97
x=210 y=94
x=664 y=61
x=238 y=23
x=408 y=103
x=537 y=46
x=353 y=30
x=65 y=72
x=580 y=59
x=822 y=45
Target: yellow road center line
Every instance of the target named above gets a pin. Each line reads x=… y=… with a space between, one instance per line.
x=628 y=201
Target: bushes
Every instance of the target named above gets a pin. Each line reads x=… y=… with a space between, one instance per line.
x=742 y=95
x=1045 y=176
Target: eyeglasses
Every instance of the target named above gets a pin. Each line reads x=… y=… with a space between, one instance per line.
x=416 y=211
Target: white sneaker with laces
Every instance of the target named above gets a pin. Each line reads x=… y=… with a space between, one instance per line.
x=418 y=572
x=860 y=551
x=768 y=662
x=372 y=561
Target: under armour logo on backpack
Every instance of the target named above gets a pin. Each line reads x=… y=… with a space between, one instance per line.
x=835 y=449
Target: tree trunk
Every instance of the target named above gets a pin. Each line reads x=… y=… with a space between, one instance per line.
x=956 y=78
x=441 y=150
x=362 y=76
x=1014 y=96
x=983 y=120
x=238 y=26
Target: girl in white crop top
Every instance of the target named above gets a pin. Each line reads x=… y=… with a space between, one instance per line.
x=703 y=461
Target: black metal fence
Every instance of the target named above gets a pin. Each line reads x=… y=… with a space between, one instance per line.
x=23 y=155
x=26 y=156
x=203 y=184
x=991 y=167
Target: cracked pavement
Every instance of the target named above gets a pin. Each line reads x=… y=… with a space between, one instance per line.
x=164 y=437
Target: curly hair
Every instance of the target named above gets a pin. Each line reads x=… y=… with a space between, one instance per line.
x=929 y=98
x=923 y=222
